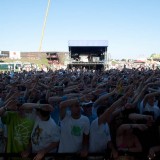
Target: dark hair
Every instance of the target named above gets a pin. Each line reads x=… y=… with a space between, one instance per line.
x=95 y=97
x=42 y=112
x=43 y=101
x=21 y=88
x=151 y=113
x=42 y=98
x=87 y=105
x=101 y=110
x=21 y=101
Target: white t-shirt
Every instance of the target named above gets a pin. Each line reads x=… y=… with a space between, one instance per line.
x=155 y=109
x=72 y=131
x=43 y=134
x=99 y=137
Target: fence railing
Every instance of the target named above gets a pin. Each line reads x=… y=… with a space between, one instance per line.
x=105 y=156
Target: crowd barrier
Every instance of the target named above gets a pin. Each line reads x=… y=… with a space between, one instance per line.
x=64 y=156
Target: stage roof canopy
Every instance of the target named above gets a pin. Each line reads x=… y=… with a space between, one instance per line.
x=87 y=43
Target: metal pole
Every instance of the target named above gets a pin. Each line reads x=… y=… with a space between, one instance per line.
x=44 y=25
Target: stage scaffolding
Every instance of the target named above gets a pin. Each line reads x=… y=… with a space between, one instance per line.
x=94 y=48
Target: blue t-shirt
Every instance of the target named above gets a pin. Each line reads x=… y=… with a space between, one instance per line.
x=55 y=114
x=1 y=103
x=91 y=117
x=2 y=141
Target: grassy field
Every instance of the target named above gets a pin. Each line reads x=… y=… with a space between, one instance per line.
x=39 y=62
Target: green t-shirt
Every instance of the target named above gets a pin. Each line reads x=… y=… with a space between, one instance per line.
x=19 y=131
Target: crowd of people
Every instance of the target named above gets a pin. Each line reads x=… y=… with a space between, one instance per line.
x=114 y=113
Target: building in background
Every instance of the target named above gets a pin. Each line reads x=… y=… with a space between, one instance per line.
x=14 y=55
x=52 y=58
x=4 y=54
x=33 y=55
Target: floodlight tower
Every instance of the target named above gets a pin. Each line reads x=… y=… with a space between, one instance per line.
x=44 y=25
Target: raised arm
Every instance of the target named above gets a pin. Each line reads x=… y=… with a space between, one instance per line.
x=69 y=103
x=103 y=98
x=43 y=85
x=10 y=106
x=31 y=106
x=150 y=95
x=136 y=117
x=140 y=96
x=54 y=99
x=124 y=127
x=12 y=97
x=65 y=104
x=8 y=95
x=107 y=115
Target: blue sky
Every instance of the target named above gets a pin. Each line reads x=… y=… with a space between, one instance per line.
x=132 y=27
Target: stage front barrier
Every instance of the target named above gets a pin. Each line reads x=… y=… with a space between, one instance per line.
x=105 y=156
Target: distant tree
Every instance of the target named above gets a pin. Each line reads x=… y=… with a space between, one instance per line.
x=155 y=55
x=114 y=62
x=62 y=57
